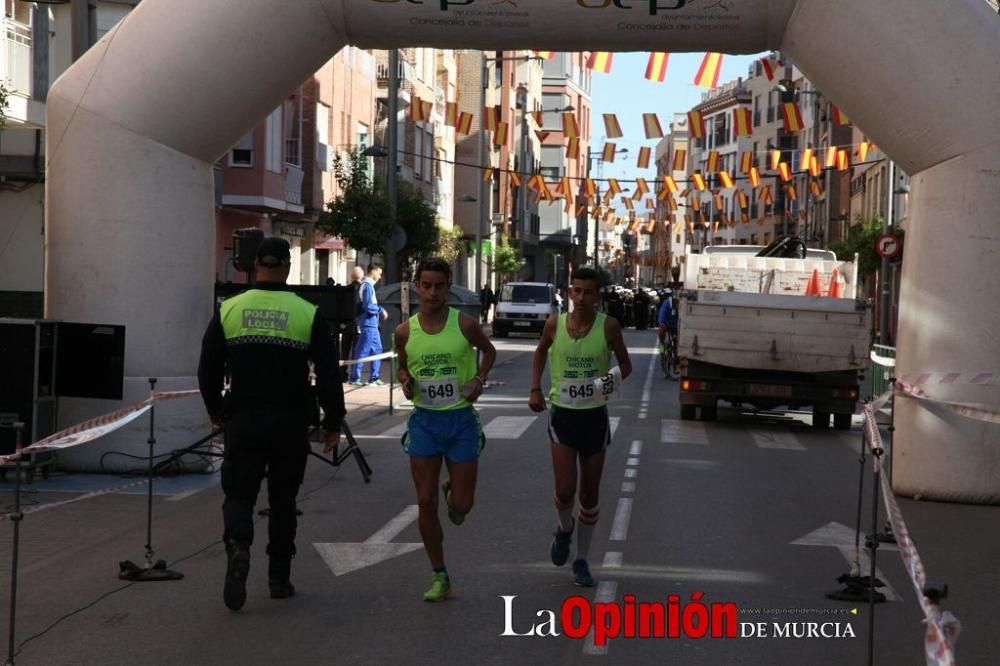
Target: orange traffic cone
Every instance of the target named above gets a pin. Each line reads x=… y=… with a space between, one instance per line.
x=813 y=287
x=836 y=289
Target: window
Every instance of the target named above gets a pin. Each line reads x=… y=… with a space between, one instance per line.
x=241 y=154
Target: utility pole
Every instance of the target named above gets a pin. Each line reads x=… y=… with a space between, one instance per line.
x=485 y=77
x=883 y=310
x=391 y=269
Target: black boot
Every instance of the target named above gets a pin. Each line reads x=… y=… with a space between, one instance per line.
x=237 y=568
x=278 y=571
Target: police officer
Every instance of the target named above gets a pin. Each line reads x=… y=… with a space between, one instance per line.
x=263 y=339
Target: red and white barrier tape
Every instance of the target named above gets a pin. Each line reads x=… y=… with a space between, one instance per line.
x=951 y=378
x=78 y=498
x=942 y=628
x=978 y=412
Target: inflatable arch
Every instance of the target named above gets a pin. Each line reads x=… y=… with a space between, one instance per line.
x=134 y=126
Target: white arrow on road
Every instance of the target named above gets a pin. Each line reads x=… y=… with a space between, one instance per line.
x=841 y=537
x=343 y=558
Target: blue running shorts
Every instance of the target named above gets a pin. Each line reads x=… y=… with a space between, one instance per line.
x=455 y=434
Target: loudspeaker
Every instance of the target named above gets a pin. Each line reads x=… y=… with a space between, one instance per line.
x=27 y=392
x=245 y=244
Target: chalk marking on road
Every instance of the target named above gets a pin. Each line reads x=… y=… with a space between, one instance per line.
x=623 y=513
x=776 y=439
x=343 y=558
x=606 y=592
x=628 y=486
x=673 y=431
x=636 y=449
x=508 y=427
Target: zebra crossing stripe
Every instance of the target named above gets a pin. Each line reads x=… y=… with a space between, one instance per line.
x=508 y=427
x=673 y=431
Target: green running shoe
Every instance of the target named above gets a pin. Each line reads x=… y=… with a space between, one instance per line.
x=455 y=517
x=439 y=588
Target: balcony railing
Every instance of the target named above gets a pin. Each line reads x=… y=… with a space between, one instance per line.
x=16 y=56
x=293 y=184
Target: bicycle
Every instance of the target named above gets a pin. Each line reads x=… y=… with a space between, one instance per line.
x=669 y=361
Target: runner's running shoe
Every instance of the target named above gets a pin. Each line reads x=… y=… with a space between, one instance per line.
x=559 y=550
x=581 y=574
x=439 y=588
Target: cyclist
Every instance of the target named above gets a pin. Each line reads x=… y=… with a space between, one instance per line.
x=666 y=319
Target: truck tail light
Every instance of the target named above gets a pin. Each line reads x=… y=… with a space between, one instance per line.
x=693 y=385
x=846 y=394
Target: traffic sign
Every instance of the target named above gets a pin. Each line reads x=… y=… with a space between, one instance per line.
x=888 y=246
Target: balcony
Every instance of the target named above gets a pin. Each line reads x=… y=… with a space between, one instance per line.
x=382 y=69
x=15 y=57
x=293 y=187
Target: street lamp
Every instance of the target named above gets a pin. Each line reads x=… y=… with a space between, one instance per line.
x=590 y=157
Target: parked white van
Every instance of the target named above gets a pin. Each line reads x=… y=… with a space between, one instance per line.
x=523 y=307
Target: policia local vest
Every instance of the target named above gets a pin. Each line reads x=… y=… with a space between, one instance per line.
x=440 y=364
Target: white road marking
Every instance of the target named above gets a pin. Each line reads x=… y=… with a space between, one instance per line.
x=623 y=514
x=508 y=427
x=606 y=591
x=844 y=539
x=395 y=432
x=632 y=462
x=343 y=558
x=612 y=560
x=631 y=473
x=673 y=431
x=776 y=439
x=628 y=486
x=636 y=448
x=613 y=422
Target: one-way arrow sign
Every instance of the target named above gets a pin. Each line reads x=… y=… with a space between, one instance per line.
x=841 y=537
x=343 y=558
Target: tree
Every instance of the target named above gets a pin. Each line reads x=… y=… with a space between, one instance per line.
x=419 y=220
x=4 y=95
x=506 y=259
x=449 y=244
x=360 y=213
x=861 y=238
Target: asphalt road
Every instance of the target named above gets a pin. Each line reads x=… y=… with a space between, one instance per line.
x=710 y=513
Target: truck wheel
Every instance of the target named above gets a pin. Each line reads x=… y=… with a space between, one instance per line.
x=821 y=419
x=709 y=413
x=842 y=421
x=687 y=412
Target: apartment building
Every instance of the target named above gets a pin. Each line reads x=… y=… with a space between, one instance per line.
x=672 y=233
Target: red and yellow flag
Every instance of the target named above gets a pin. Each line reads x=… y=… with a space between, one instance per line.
x=741 y=198
x=792 y=116
x=696 y=124
x=807 y=155
x=669 y=184
x=573 y=149
x=652 y=125
x=754 y=177
x=785 y=171
x=464 y=125
x=500 y=136
x=651 y=227
x=545 y=55
x=515 y=179
x=656 y=68
x=672 y=204
x=608 y=154
x=815 y=189
x=746 y=162
x=565 y=188
x=814 y=168
x=742 y=122
x=699 y=182
x=539 y=117
x=719 y=203
x=695 y=203
x=831 y=157
x=650 y=204
x=600 y=61
x=725 y=179
x=451 y=114
x=843 y=163
x=863 y=150
x=768 y=66
x=775 y=159
x=613 y=187
x=570 y=127
x=708 y=73
x=542 y=136
x=745 y=218
x=791 y=192
x=680 y=160
x=838 y=116
x=712 y=163
x=611 y=126
x=420 y=110
x=590 y=188
x=491 y=118
x=628 y=203
x=641 y=188
x=643 y=161
x=764 y=196
x=488 y=175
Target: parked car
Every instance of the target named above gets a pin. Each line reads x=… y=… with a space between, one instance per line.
x=523 y=307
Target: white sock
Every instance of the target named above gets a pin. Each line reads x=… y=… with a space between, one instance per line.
x=587 y=519
x=565 y=512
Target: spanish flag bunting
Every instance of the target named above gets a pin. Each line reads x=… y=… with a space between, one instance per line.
x=580 y=210
x=696 y=124
x=775 y=159
x=843 y=163
x=838 y=116
x=613 y=186
x=669 y=184
x=672 y=204
x=652 y=125
x=764 y=196
x=565 y=188
x=656 y=68
x=699 y=182
x=742 y=122
x=612 y=127
x=708 y=73
x=536 y=182
x=628 y=203
x=745 y=218
x=545 y=55
x=715 y=228
x=643 y=161
x=650 y=204
x=608 y=154
x=785 y=171
x=807 y=155
x=815 y=189
x=539 y=117
x=725 y=179
x=792 y=116
x=570 y=127
x=420 y=110
x=814 y=168
x=464 y=125
x=723 y=219
x=488 y=175
x=741 y=197
x=491 y=118
x=651 y=227
x=641 y=186
x=542 y=136
x=695 y=203
x=633 y=225
x=863 y=150
x=712 y=164
x=600 y=61
x=685 y=193
x=677 y=227
x=500 y=136
x=719 y=203
x=515 y=179
x=573 y=149
x=680 y=160
x=568 y=206
x=831 y=157
x=689 y=218
x=754 y=177
x=746 y=162
x=791 y=192
x=768 y=66
x=589 y=188
x=451 y=114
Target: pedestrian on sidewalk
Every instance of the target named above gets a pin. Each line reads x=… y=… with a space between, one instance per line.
x=579 y=346
x=369 y=316
x=264 y=339
x=486 y=299
x=349 y=334
x=439 y=373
